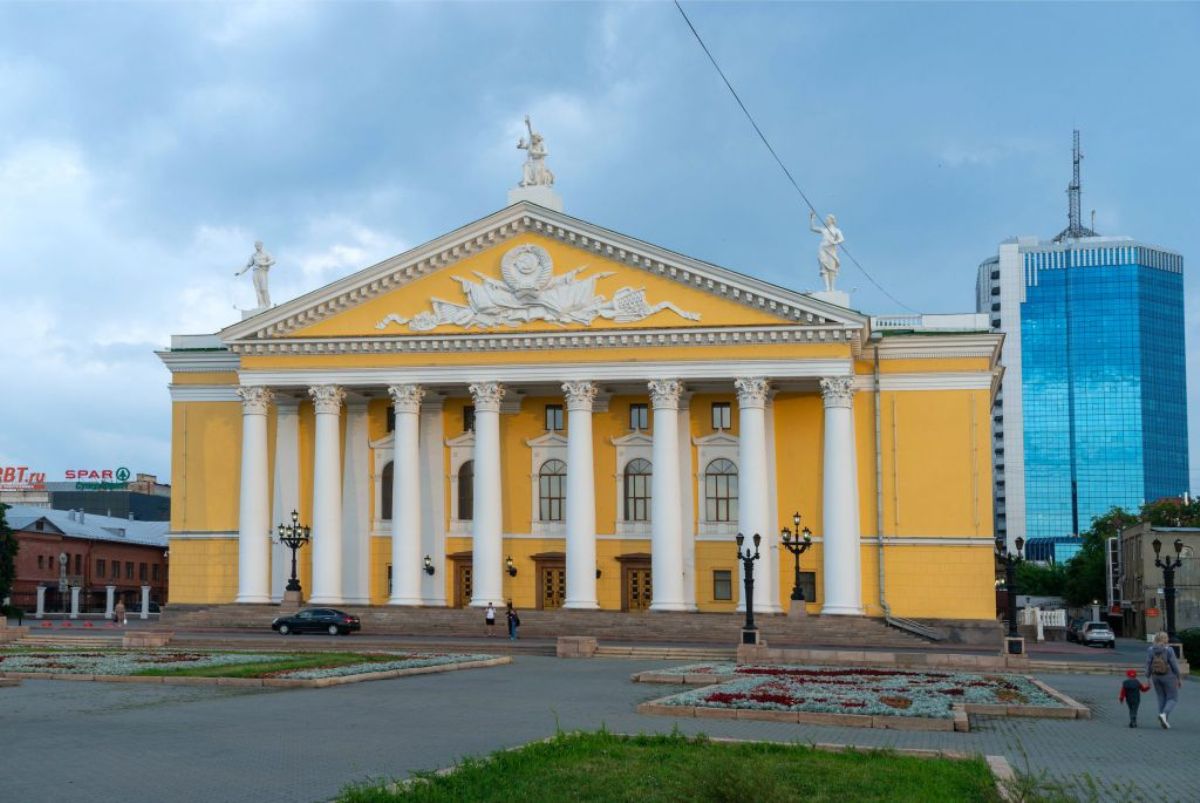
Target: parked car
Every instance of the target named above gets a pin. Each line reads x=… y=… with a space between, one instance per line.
x=1098 y=633
x=317 y=620
x=1073 y=628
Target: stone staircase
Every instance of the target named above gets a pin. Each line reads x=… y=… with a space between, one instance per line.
x=610 y=628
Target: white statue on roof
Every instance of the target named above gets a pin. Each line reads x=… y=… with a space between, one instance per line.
x=261 y=262
x=827 y=251
x=535 y=173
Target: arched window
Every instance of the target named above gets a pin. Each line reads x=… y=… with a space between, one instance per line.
x=385 y=509
x=637 y=490
x=720 y=491
x=552 y=480
x=466 y=491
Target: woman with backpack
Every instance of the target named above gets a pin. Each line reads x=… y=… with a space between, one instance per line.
x=1163 y=671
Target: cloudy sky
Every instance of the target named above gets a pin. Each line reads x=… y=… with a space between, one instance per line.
x=143 y=148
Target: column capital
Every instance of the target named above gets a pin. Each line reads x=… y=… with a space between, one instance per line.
x=838 y=391
x=255 y=399
x=752 y=391
x=664 y=393
x=487 y=396
x=580 y=395
x=406 y=398
x=327 y=398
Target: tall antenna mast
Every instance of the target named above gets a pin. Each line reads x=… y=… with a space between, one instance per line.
x=1075 y=228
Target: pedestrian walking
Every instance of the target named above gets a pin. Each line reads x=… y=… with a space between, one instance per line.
x=1131 y=695
x=119 y=614
x=1163 y=671
x=514 y=622
x=489 y=616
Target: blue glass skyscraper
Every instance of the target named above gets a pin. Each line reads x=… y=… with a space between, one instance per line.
x=1092 y=412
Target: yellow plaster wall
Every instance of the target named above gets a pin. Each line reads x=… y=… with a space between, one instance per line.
x=203 y=570
x=934 y=582
x=205 y=378
x=206 y=453
x=415 y=297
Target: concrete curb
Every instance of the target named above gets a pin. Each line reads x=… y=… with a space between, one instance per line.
x=318 y=683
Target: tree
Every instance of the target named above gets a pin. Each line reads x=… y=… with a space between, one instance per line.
x=1041 y=580
x=1086 y=580
x=8 y=555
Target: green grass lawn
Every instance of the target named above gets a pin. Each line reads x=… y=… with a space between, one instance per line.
x=604 y=767
x=285 y=661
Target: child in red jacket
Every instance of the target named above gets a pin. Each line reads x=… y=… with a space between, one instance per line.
x=1131 y=695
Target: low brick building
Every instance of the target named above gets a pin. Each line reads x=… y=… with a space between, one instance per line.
x=100 y=551
x=1142 y=600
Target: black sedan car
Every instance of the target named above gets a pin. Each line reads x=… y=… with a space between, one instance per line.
x=317 y=620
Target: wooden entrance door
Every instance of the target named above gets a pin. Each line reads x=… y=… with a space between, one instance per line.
x=637 y=587
x=553 y=586
x=462 y=578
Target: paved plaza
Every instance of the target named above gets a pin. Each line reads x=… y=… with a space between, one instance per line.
x=108 y=741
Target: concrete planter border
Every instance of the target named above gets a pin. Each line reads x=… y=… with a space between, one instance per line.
x=658 y=708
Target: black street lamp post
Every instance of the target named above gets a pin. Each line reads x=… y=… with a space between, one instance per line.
x=1168 y=567
x=749 y=632
x=797 y=545
x=293 y=536
x=1010 y=582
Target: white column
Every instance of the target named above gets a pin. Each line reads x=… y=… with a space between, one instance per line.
x=75 y=602
x=777 y=551
x=41 y=602
x=840 y=531
x=687 y=511
x=433 y=500
x=666 y=534
x=754 y=496
x=145 y=614
x=285 y=488
x=487 y=525
x=109 y=594
x=581 y=498
x=327 y=496
x=407 y=566
x=254 y=513
x=356 y=507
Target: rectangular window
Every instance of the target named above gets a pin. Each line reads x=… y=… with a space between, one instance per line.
x=721 y=415
x=116 y=569
x=154 y=572
x=722 y=584
x=128 y=570
x=639 y=416
x=100 y=567
x=469 y=418
x=79 y=564
x=142 y=572
x=554 y=418
x=41 y=561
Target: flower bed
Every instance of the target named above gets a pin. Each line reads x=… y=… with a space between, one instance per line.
x=120 y=663
x=872 y=692
x=401 y=661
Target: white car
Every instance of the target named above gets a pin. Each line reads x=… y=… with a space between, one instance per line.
x=1097 y=633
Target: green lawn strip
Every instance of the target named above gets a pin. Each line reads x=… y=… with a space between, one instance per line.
x=286 y=661
x=603 y=767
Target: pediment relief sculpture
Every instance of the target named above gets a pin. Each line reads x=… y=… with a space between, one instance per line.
x=529 y=291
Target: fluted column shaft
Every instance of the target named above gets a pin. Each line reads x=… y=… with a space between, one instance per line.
x=581 y=498
x=840 y=545
x=754 y=497
x=286 y=487
x=666 y=534
x=254 y=526
x=487 y=523
x=406 y=496
x=327 y=496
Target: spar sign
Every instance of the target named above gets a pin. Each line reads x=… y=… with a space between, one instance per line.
x=98 y=479
x=21 y=478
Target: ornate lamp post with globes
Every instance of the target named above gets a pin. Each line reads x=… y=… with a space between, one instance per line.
x=749 y=631
x=797 y=544
x=1014 y=644
x=1168 y=566
x=293 y=536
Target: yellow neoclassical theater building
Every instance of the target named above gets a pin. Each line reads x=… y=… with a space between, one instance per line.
x=536 y=408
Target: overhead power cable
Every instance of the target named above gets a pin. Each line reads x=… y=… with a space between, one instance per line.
x=779 y=161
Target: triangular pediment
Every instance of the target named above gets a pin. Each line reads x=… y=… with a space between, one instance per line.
x=529 y=270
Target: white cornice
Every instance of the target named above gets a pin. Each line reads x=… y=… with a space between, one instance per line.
x=518 y=374
x=199 y=361
x=204 y=393
x=959 y=380
x=696 y=336
x=519 y=218
x=939 y=346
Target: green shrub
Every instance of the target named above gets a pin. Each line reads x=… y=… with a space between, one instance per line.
x=1191 y=644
